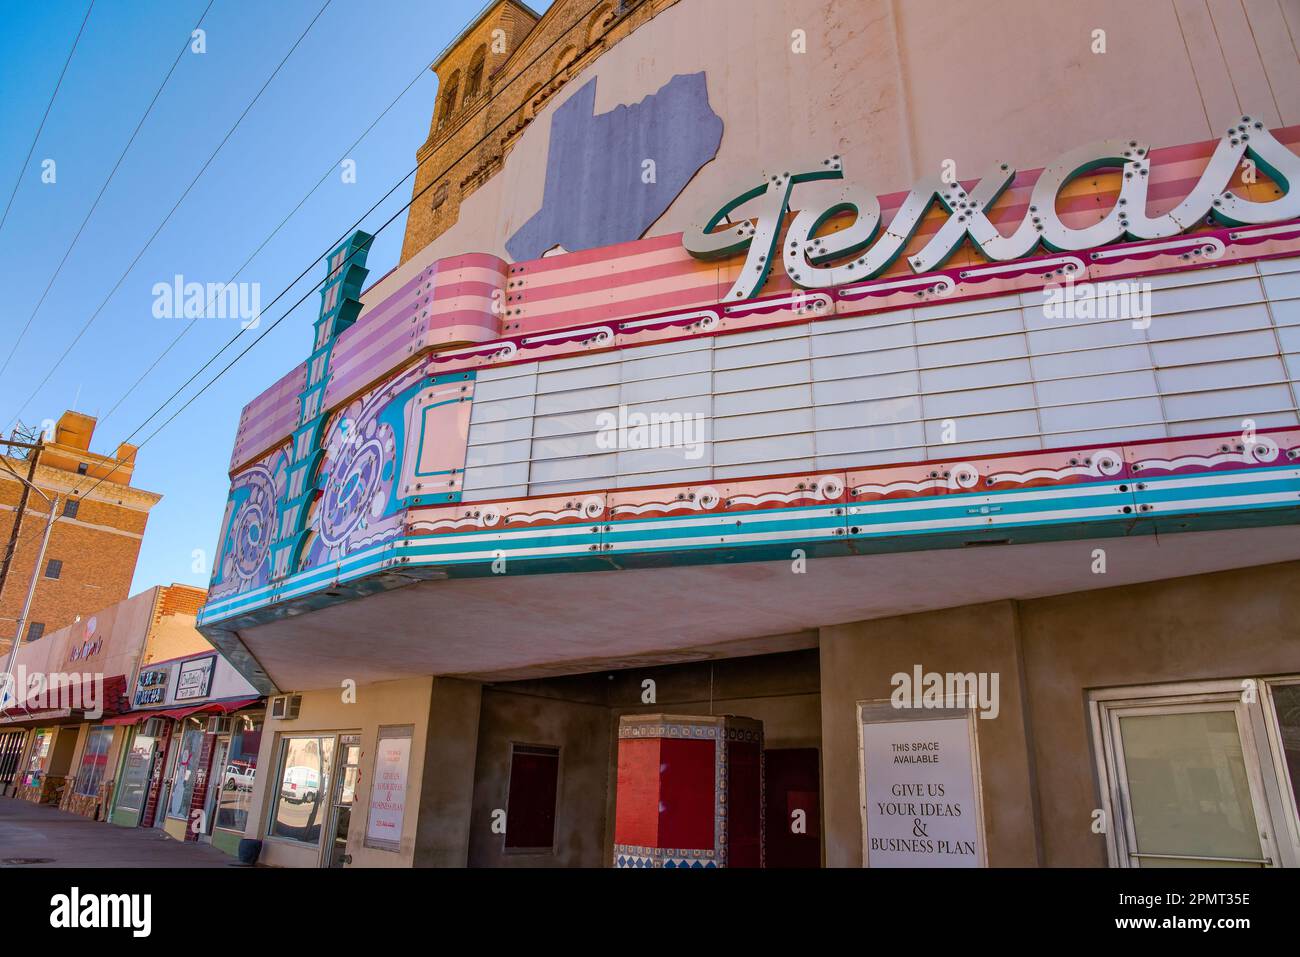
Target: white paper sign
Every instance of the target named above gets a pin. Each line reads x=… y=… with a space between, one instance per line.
x=920 y=794
x=388 y=793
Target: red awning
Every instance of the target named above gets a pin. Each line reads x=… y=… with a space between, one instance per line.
x=134 y=717
x=114 y=701
x=229 y=707
x=211 y=707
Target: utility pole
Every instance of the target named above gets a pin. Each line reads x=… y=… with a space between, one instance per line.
x=28 y=484
x=33 y=453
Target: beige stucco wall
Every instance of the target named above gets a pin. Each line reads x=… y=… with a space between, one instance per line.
x=1235 y=624
x=857 y=661
x=383 y=703
x=1036 y=758
x=581 y=731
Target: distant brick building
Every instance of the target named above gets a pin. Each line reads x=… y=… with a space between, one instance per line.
x=492 y=81
x=95 y=541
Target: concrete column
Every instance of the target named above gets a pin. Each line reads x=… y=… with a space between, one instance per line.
x=447 y=784
x=857 y=662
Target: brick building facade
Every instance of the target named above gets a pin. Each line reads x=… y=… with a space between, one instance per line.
x=90 y=559
x=492 y=81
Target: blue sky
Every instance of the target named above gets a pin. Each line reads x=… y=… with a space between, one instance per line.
x=354 y=61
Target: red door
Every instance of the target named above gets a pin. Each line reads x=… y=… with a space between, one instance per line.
x=793 y=821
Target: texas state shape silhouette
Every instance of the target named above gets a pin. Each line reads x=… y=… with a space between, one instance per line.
x=595 y=192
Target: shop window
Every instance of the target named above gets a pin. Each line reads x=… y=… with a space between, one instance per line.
x=70 y=507
x=186 y=771
x=301 y=799
x=40 y=757
x=54 y=568
x=238 y=774
x=530 y=811
x=135 y=773
x=35 y=629
x=94 y=760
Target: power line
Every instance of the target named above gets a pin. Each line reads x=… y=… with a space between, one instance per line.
x=48 y=106
x=324 y=176
x=95 y=205
x=172 y=212
x=433 y=180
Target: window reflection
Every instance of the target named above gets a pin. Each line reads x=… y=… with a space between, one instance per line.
x=301 y=800
x=186 y=772
x=237 y=777
x=94 y=761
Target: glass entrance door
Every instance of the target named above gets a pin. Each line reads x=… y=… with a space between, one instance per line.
x=137 y=771
x=216 y=778
x=343 y=796
x=1190 y=791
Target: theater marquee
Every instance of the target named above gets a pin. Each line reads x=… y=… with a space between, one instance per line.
x=1246 y=148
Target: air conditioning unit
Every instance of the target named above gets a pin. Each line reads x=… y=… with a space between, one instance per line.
x=219 y=724
x=153 y=727
x=285 y=707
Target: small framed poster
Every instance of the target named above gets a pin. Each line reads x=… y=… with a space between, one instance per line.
x=387 y=810
x=920 y=787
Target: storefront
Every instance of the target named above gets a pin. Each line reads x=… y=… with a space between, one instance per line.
x=928 y=499
x=343 y=776
x=67 y=684
x=191 y=758
x=81 y=683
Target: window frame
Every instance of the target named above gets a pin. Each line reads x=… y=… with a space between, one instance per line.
x=322 y=795
x=1273 y=729
x=258 y=726
x=174 y=772
x=555 y=813
x=1255 y=726
x=91 y=734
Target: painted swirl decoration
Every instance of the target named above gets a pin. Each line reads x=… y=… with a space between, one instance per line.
x=253 y=528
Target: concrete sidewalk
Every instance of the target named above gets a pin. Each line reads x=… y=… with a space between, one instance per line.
x=66 y=840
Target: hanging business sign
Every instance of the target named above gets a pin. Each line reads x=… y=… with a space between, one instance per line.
x=919 y=788
x=865 y=248
x=195 y=679
x=388 y=789
x=151 y=687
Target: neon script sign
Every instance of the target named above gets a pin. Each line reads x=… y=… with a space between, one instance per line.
x=807 y=256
